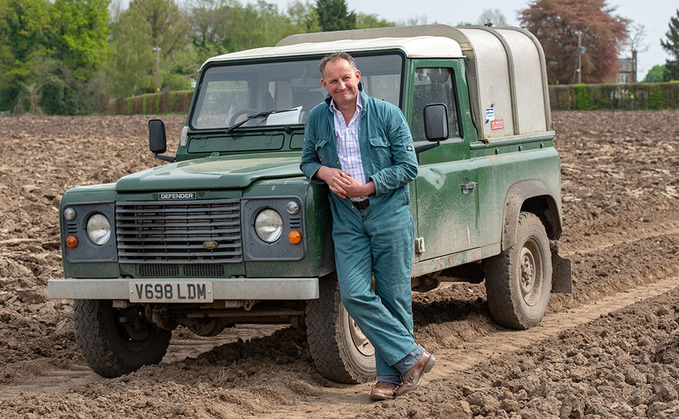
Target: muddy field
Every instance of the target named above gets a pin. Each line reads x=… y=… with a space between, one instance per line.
x=610 y=349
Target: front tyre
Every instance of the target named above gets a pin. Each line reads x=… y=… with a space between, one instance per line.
x=519 y=280
x=339 y=349
x=113 y=348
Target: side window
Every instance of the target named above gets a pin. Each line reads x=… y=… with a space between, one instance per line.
x=433 y=85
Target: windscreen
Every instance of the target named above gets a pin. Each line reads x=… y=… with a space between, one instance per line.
x=282 y=92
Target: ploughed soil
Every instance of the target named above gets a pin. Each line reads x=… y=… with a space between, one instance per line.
x=609 y=349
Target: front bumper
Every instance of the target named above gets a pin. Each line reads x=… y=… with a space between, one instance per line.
x=222 y=288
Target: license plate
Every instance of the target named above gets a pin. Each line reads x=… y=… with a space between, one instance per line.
x=171 y=292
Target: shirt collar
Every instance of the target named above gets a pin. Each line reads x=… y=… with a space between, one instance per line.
x=359 y=103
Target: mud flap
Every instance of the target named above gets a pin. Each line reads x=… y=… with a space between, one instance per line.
x=562 y=281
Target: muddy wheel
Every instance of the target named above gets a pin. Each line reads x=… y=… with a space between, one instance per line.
x=519 y=280
x=112 y=348
x=339 y=349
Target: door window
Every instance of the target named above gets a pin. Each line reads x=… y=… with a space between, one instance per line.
x=433 y=85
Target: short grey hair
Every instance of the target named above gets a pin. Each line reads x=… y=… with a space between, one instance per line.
x=335 y=56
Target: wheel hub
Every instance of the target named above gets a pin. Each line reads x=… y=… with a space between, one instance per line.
x=530 y=275
x=361 y=342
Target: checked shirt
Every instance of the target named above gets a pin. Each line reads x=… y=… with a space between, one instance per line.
x=348 y=150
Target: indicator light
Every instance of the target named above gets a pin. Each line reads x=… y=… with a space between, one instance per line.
x=72 y=242
x=295 y=237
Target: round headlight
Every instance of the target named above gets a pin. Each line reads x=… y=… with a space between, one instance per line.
x=98 y=229
x=269 y=225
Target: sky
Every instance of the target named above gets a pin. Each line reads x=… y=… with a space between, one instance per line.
x=654 y=15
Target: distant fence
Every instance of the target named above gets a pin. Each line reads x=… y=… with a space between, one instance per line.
x=567 y=98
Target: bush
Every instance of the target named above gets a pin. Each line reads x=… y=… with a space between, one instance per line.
x=151 y=104
x=615 y=96
x=582 y=95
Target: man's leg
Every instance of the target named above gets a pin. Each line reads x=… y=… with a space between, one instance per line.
x=392 y=237
x=354 y=260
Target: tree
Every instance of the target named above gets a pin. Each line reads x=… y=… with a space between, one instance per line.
x=49 y=52
x=255 y=26
x=414 y=21
x=635 y=39
x=131 y=57
x=144 y=26
x=364 y=21
x=82 y=35
x=655 y=74
x=169 y=28
x=221 y=26
x=559 y=23
x=671 y=45
x=492 y=17
x=304 y=16
x=25 y=42
x=334 y=16
x=209 y=20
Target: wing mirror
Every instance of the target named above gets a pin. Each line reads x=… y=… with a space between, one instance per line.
x=435 y=126
x=436 y=122
x=158 y=139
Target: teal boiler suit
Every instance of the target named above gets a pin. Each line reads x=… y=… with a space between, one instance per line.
x=380 y=242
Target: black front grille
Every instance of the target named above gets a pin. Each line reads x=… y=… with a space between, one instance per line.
x=173 y=271
x=199 y=270
x=179 y=231
x=158 y=270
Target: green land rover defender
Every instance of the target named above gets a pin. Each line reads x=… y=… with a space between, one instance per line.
x=229 y=231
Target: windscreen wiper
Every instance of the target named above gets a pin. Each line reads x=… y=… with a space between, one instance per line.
x=259 y=115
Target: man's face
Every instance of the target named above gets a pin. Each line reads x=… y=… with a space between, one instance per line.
x=341 y=81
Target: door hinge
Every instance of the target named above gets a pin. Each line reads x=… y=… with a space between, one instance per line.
x=419 y=245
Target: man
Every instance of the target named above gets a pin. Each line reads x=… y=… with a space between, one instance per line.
x=362 y=149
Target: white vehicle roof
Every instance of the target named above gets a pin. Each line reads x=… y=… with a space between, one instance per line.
x=414 y=47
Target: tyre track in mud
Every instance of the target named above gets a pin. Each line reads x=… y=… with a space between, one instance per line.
x=499 y=342
x=183 y=345
x=610 y=239
x=351 y=401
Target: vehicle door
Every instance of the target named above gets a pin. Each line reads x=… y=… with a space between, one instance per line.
x=446 y=203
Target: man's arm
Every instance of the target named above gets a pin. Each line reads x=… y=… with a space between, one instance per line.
x=309 y=163
x=404 y=169
x=336 y=179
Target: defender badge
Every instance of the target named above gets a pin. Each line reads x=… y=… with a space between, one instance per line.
x=176 y=195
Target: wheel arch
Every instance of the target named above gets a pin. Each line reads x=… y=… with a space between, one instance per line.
x=530 y=195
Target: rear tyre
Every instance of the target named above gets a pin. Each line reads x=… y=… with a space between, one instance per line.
x=112 y=348
x=338 y=347
x=519 y=280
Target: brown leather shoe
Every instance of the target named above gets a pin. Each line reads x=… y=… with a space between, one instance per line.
x=383 y=390
x=411 y=379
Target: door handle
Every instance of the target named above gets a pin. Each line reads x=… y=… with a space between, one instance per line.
x=468 y=187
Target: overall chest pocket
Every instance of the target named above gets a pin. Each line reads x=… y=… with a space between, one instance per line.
x=324 y=152
x=380 y=153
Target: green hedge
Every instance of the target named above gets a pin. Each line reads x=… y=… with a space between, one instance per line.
x=615 y=96
x=151 y=104
x=570 y=97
